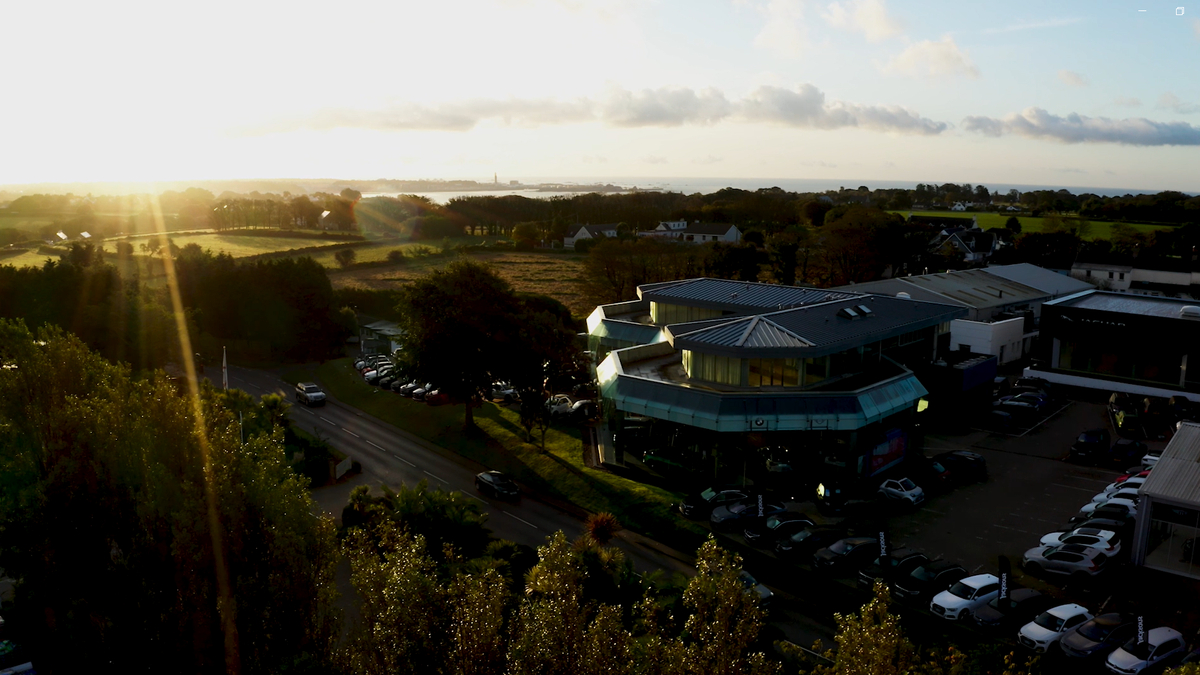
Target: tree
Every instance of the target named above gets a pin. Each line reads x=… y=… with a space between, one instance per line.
x=345 y=257
x=1013 y=224
x=602 y=527
x=396 y=256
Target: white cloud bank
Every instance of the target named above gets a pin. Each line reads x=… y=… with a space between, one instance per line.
x=941 y=58
x=1076 y=128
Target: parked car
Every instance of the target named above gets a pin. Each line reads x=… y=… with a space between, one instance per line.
x=847 y=553
x=1143 y=474
x=1109 y=512
x=743 y=512
x=1114 y=503
x=309 y=394
x=1097 y=637
x=437 y=397
x=503 y=391
x=1151 y=458
x=1107 y=542
x=965 y=596
x=1125 y=452
x=1091 y=444
x=764 y=594
x=1039 y=402
x=936 y=476
x=421 y=392
x=408 y=389
x=1161 y=644
x=1128 y=492
x=782 y=525
x=398 y=384
x=801 y=545
x=901 y=561
x=929 y=579
x=558 y=404
x=1078 y=562
x=1020 y=409
x=1048 y=628
x=496 y=485
x=362 y=362
x=1019 y=609
x=902 y=489
x=374 y=376
x=580 y=410
x=1122 y=525
x=1126 y=482
x=1037 y=383
x=386 y=381
x=701 y=504
x=965 y=466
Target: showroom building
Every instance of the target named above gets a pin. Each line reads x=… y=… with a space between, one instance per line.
x=1168 y=520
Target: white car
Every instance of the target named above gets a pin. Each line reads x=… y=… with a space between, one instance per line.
x=1118 y=502
x=965 y=596
x=503 y=391
x=1151 y=458
x=1133 y=482
x=1134 y=658
x=559 y=404
x=1049 y=626
x=902 y=489
x=754 y=588
x=1105 y=541
x=1130 y=493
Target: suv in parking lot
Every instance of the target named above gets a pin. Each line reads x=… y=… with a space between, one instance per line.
x=901 y=562
x=964 y=596
x=929 y=579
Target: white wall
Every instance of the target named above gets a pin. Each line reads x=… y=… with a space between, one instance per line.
x=988 y=338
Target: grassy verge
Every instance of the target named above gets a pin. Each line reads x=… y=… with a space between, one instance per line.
x=500 y=444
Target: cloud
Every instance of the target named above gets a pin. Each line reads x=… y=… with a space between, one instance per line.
x=1075 y=128
x=595 y=159
x=933 y=59
x=1035 y=25
x=870 y=17
x=663 y=107
x=1072 y=78
x=708 y=159
x=802 y=107
x=654 y=159
x=1169 y=101
x=805 y=107
x=1127 y=101
x=784 y=32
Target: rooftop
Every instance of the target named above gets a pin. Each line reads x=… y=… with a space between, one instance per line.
x=977 y=288
x=1039 y=278
x=1176 y=477
x=1124 y=303
x=739 y=296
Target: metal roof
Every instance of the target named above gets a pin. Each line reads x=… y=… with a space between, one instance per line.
x=1176 y=476
x=1040 y=278
x=900 y=285
x=1126 y=303
x=736 y=295
x=977 y=288
x=752 y=332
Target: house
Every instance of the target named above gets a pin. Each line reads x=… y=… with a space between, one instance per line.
x=1170 y=279
x=378 y=336
x=721 y=369
x=580 y=232
x=1003 y=303
x=962 y=206
x=695 y=232
x=971 y=245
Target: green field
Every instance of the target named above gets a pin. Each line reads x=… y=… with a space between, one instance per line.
x=1100 y=229
x=500 y=444
x=236 y=245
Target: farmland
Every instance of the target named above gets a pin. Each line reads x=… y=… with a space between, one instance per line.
x=1100 y=229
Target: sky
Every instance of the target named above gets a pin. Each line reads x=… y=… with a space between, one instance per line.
x=1066 y=93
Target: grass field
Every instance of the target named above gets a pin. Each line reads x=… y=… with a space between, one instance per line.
x=1100 y=229
x=552 y=274
x=238 y=246
x=27 y=259
x=500 y=444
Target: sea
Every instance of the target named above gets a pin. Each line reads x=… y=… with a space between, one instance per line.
x=529 y=186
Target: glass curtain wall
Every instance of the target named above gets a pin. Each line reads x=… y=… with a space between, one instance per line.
x=1174 y=534
x=718 y=369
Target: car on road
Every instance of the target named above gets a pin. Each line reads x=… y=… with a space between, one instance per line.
x=1019 y=609
x=1107 y=542
x=309 y=394
x=800 y=545
x=1073 y=560
x=1091 y=445
x=849 y=552
x=929 y=579
x=1048 y=628
x=1097 y=637
x=900 y=561
x=965 y=466
x=782 y=525
x=701 y=504
x=964 y=596
x=902 y=490
x=747 y=511
x=497 y=485
x=1160 y=644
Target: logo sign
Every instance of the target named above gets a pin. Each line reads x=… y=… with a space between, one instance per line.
x=884 y=560
x=1141 y=630
x=1005 y=570
x=760 y=506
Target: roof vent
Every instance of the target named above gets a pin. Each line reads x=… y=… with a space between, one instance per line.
x=864 y=310
x=847 y=313
x=733 y=296
x=1189 y=312
x=904 y=295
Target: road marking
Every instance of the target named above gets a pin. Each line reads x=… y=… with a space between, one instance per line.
x=310 y=412
x=977 y=568
x=929 y=510
x=1105 y=603
x=432 y=476
x=351 y=432
x=399 y=458
x=328 y=420
x=377 y=446
x=475 y=498
x=520 y=519
x=1072 y=487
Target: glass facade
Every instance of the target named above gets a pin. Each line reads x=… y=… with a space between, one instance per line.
x=1101 y=358
x=1174 y=535
x=718 y=369
x=662 y=314
x=772 y=373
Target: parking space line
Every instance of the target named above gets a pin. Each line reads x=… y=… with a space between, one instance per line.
x=1073 y=487
x=351 y=432
x=1014 y=529
x=401 y=459
x=520 y=519
x=433 y=476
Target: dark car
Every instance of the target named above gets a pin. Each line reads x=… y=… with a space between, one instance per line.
x=929 y=579
x=847 y=553
x=496 y=485
x=936 y=476
x=964 y=465
x=1125 y=452
x=800 y=545
x=782 y=525
x=1091 y=444
x=1022 y=605
x=1094 y=639
x=745 y=513
x=902 y=561
x=701 y=504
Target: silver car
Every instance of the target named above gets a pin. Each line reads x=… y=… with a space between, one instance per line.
x=1069 y=559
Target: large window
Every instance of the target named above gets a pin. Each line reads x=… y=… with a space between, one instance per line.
x=816 y=369
x=1120 y=360
x=718 y=369
x=1174 y=543
x=773 y=373
x=662 y=314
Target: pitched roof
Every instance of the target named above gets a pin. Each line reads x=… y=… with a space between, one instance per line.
x=752 y=332
x=1040 y=278
x=1176 y=476
x=592 y=230
x=977 y=288
x=737 y=296
x=707 y=228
